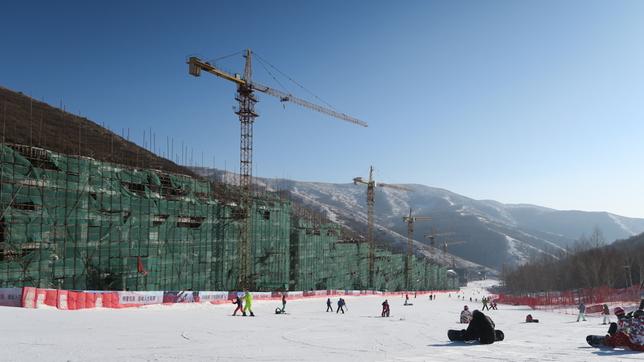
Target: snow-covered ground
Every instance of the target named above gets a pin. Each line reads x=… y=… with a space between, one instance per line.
x=200 y=332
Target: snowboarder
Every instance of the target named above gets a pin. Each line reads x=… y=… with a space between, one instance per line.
x=628 y=332
x=283 y=302
x=606 y=314
x=248 y=299
x=582 y=311
x=385 y=309
x=341 y=304
x=240 y=305
x=407 y=300
x=466 y=315
x=328 y=305
x=529 y=319
x=481 y=328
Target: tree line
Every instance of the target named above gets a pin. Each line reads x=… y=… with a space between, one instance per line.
x=589 y=263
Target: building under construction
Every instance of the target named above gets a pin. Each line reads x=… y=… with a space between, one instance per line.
x=74 y=222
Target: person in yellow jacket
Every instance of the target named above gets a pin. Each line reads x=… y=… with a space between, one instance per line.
x=248 y=304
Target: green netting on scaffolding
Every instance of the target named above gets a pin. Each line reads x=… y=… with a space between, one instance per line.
x=77 y=223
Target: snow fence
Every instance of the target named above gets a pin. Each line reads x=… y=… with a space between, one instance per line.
x=30 y=297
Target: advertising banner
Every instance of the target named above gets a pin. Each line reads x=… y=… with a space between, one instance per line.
x=126 y=298
x=205 y=297
x=10 y=297
x=180 y=297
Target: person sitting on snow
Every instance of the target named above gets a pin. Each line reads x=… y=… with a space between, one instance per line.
x=481 y=328
x=385 y=309
x=466 y=315
x=529 y=319
x=628 y=332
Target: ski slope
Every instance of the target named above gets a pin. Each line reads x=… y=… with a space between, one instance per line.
x=200 y=332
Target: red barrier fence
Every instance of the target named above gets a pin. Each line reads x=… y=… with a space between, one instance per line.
x=31 y=297
x=593 y=298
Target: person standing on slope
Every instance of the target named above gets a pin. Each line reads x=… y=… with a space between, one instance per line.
x=240 y=305
x=341 y=305
x=328 y=305
x=248 y=299
x=385 y=309
x=284 y=302
x=606 y=314
x=582 y=311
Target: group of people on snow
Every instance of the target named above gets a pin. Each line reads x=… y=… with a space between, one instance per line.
x=244 y=306
x=627 y=332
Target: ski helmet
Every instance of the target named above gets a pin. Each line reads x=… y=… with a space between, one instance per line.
x=618 y=311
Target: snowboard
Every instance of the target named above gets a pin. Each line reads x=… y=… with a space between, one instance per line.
x=596 y=341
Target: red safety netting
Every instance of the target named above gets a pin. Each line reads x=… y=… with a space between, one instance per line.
x=593 y=298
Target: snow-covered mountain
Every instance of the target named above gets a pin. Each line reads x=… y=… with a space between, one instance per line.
x=492 y=233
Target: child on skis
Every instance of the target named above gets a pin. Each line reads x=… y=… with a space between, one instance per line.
x=240 y=305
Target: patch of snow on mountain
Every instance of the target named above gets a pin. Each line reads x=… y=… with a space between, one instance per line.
x=619 y=222
x=399 y=206
x=449 y=200
x=514 y=250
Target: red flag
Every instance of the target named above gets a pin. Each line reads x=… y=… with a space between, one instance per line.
x=139 y=266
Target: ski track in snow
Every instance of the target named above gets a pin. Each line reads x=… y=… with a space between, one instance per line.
x=200 y=332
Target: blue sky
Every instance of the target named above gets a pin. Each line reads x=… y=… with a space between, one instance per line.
x=517 y=101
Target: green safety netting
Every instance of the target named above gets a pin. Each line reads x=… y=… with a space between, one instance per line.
x=77 y=223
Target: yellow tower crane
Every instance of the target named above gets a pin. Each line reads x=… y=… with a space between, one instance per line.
x=371 y=201
x=410 y=220
x=246 y=88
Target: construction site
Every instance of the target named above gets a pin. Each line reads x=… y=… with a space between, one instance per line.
x=91 y=210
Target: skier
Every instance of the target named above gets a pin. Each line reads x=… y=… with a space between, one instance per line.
x=466 y=315
x=283 y=302
x=481 y=328
x=582 y=311
x=341 y=304
x=240 y=305
x=494 y=304
x=248 y=299
x=606 y=314
x=385 y=309
x=328 y=305
x=485 y=306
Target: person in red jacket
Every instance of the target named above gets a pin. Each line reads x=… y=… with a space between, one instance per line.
x=385 y=309
x=240 y=305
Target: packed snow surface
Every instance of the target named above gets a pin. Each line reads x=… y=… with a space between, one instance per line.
x=202 y=332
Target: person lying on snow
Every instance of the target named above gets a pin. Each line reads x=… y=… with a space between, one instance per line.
x=529 y=319
x=481 y=328
x=466 y=315
x=628 y=332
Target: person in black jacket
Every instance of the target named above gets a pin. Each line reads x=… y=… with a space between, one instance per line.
x=481 y=328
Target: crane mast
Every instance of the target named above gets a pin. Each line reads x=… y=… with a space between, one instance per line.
x=246 y=112
x=410 y=220
x=371 y=202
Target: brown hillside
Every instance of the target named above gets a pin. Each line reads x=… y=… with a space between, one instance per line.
x=27 y=121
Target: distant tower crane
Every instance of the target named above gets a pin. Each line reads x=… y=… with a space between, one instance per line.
x=451 y=242
x=433 y=235
x=246 y=112
x=371 y=201
x=410 y=220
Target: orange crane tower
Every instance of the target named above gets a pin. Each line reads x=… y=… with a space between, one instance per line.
x=371 y=201
x=246 y=88
x=410 y=220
